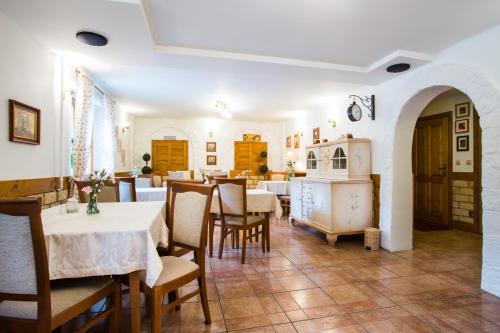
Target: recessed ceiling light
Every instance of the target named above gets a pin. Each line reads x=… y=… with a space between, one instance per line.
x=398 y=68
x=91 y=38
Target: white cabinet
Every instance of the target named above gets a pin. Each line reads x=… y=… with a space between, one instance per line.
x=336 y=197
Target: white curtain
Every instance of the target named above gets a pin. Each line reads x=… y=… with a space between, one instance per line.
x=84 y=119
x=109 y=129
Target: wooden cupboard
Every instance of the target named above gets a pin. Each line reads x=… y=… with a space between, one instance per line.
x=169 y=155
x=247 y=155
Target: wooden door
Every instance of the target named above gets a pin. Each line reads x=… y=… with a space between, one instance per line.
x=169 y=155
x=432 y=170
x=247 y=155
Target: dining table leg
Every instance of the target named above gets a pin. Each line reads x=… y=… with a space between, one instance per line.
x=211 y=229
x=135 y=304
x=268 y=232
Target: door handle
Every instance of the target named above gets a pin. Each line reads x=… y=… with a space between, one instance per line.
x=443 y=170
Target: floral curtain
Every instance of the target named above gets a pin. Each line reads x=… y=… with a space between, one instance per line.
x=109 y=129
x=84 y=118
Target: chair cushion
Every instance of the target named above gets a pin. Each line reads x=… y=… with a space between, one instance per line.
x=64 y=294
x=238 y=220
x=174 y=268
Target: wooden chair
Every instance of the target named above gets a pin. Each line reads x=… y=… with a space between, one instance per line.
x=109 y=192
x=234 y=216
x=126 y=189
x=211 y=179
x=28 y=302
x=178 y=251
x=188 y=229
x=143 y=181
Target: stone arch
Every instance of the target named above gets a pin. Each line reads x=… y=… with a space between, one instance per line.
x=419 y=90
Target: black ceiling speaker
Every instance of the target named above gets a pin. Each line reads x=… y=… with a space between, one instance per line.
x=91 y=38
x=398 y=68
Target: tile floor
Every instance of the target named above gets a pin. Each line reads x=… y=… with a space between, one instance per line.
x=303 y=285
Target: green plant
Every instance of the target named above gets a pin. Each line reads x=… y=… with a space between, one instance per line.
x=146 y=169
x=263 y=154
x=146 y=158
x=263 y=169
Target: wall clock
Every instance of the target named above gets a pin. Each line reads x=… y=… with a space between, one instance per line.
x=354 y=112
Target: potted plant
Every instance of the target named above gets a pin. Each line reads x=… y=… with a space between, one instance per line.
x=263 y=154
x=263 y=169
x=146 y=169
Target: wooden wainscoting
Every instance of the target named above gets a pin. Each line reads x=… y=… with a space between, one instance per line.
x=46 y=189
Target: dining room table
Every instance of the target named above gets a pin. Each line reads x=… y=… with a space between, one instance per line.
x=120 y=240
x=279 y=187
x=151 y=193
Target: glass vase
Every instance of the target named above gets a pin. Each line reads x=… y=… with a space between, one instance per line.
x=92 y=207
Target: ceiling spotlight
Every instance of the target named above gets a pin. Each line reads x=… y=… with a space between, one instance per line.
x=91 y=38
x=398 y=68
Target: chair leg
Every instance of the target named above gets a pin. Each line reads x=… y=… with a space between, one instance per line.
x=257 y=234
x=204 y=299
x=174 y=296
x=263 y=239
x=268 y=233
x=148 y=305
x=221 y=240
x=211 y=227
x=116 y=303
x=237 y=238
x=244 y=247
x=155 y=311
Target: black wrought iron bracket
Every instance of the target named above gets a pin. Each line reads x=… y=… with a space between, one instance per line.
x=368 y=102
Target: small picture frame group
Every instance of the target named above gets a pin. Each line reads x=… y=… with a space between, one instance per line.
x=211 y=159
x=463 y=143
x=211 y=147
x=289 y=141
x=296 y=140
x=462 y=125
x=462 y=110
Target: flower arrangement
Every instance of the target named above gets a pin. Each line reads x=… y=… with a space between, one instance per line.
x=97 y=180
x=244 y=174
x=290 y=170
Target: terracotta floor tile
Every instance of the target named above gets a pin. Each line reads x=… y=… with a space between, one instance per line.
x=296 y=315
x=459 y=320
x=407 y=324
x=329 y=278
x=286 y=301
x=311 y=298
x=324 y=311
x=284 y=328
x=357 y=297
x=405 y=269
x=241 y=307
x=489 y=311
x=370 y=273
x=343 y=323
x=289 y=283
x=251 y=322
x=278 y=318
x=380 y=314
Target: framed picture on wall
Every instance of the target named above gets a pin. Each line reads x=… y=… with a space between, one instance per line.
x=24 y=123
x=289 y=141
x=296 y=140
x=251 y=137
x=211 y=147
x=463 y=143
x=462 y=126
x=462 y=110
x=211 y=159
x=316 y=136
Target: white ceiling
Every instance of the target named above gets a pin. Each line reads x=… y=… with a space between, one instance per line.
x=267 y=59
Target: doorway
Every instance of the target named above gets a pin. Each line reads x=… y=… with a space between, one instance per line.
x=446 y=165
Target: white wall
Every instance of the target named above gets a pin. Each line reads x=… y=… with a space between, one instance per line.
x=32 y=75
x=225 y=132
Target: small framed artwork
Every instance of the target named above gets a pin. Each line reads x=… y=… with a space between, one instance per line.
x=462 y=126
x=316 y=137
x=289 y=141
x=24 y=123
x=296 y=140
x=211 y=147
x=463 y=143
x=251 y=137
x=211 y=159
x=462 y=110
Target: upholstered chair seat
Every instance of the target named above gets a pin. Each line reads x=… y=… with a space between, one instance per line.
x=63 y=295
x=174 y=268
x=238 y=220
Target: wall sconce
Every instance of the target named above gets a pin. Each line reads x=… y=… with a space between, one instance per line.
x=354 y=110
x=210 y=134
x=332 y=123
x=125 y=127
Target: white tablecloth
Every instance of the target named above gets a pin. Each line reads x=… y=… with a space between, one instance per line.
x=151 y=194
x=279 y=187
x=120 y=240
x=258 y=201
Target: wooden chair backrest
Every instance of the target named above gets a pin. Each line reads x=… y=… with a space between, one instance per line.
x=232 y=197
x=126 y=189
x=110 y=191
x=211 y=179
x=23 y=254
x=170 y=182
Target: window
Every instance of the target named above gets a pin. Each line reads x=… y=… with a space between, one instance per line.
x=311 y=161
x=339 y=159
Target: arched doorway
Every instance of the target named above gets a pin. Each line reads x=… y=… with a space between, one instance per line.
x=397 y=211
